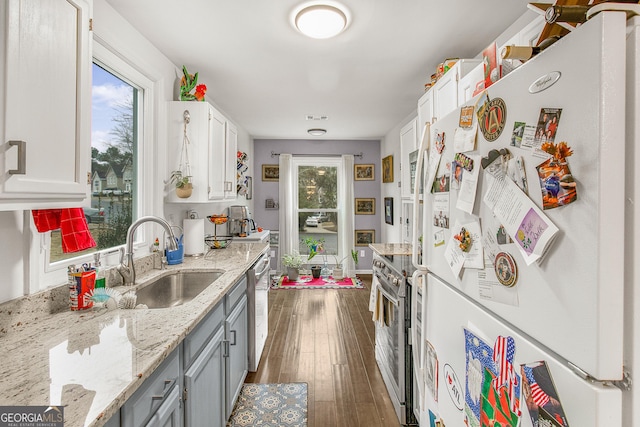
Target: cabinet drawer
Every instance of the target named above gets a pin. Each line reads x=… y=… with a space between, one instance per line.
x=150 y=396
x=236 y=293
x=195 y=342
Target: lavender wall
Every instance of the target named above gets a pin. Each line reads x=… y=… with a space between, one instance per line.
x=268 y=218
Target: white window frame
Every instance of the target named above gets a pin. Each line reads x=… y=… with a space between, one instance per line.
x=336 y=162
x=44 y=274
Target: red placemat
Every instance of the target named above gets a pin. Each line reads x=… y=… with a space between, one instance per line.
x=308 y=282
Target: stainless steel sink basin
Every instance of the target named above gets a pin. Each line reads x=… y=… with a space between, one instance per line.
x=176 y=288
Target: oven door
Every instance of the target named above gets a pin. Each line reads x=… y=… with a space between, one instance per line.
x=390 y=343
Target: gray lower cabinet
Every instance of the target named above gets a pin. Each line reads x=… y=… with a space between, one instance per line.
x=198 y=384
x=160 y=392
x=169 y=413
x=238 y=360
x=204 y=386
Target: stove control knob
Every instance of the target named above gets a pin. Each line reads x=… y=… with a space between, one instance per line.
x=396 y=281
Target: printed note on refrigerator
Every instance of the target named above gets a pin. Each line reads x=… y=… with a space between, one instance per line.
x=525 y=223
x=464 y=139
x=469 y=185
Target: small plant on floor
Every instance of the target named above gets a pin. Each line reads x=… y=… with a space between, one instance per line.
x=292 y=262
x=338 y=271
x=354 y=257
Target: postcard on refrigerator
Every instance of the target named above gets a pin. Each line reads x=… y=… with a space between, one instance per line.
x=453 y=254
x=525 y=223
x=469 y=182
x=441 y=210
x=464 y=139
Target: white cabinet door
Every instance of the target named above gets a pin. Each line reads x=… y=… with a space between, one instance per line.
x=231 y=147
x=45 y=102
x=204 y=384
x=217 y=156
x=198 y=133
x=425 y=112
x=212 y=149
x=408 y=141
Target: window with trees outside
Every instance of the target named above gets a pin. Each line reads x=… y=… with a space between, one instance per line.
x=114 y=134
x=318 y=200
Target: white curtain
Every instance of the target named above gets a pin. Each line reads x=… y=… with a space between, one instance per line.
x=346 y=217
x=286 y=213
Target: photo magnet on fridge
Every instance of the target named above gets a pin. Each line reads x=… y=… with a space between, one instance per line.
x=541 y=396
x=556 y=181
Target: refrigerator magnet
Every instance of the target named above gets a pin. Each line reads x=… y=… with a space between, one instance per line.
x=493 y=119
x=506 y=269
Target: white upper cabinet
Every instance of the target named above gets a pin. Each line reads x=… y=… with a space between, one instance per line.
x=45 y=113
x=211 y=151
x=408 y=142
x=443 y=97
x=231 y=151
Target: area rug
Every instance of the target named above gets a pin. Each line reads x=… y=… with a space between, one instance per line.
x=271 y=405
x=308 y=282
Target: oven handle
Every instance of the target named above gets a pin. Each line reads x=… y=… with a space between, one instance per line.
x=393 y=300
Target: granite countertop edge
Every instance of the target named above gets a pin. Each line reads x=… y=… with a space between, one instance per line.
x=391 y=248
x=28 y=345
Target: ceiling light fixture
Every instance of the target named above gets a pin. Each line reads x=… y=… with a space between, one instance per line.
x=320 y=21
x=316 y=132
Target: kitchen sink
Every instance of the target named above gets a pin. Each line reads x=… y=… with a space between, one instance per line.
x=176 y=288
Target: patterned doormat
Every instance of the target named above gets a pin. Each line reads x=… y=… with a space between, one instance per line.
x=308 y=282
x=271 y=405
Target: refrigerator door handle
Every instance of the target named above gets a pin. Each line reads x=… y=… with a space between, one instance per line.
x=424 y=143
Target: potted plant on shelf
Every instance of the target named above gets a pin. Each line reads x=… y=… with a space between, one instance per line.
x=183 y=184
x=293 y=262
x=338 y=271
x=315 y=247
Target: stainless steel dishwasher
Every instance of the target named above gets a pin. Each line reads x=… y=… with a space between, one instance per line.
x=258 y=300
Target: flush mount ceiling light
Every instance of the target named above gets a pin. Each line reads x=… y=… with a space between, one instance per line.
x=320 y=21
x=316 y=132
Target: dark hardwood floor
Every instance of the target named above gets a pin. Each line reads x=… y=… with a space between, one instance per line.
x=325 y=337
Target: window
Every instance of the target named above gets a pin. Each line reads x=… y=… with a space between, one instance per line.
x=113 y=141
x=122 y=162
x=317 y=202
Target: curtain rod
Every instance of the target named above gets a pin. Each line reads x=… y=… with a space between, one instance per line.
x=360 y=155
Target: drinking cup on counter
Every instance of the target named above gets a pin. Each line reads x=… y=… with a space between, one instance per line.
x=81 y=284
x=176 y=256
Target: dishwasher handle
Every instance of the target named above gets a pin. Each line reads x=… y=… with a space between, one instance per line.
x=266 y=262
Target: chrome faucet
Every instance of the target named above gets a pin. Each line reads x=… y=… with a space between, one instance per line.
x=126 y=267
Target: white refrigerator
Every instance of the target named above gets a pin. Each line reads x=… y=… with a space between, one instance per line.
x=527 y=273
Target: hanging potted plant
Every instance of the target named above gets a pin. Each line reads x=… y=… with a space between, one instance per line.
x=183 y=184
x=181 y=177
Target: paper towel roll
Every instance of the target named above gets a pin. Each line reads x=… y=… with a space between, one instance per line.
x=193 y=236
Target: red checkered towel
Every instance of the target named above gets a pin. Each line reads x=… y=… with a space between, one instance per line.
x=72 y=224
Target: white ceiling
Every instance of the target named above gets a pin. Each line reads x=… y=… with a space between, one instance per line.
x=267 y=77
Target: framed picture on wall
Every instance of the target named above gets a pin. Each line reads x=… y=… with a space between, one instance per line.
x=388 y=210
x=363 y=172
x=365 y=206
x=387 y=169
x=270 y=172
x=365 y=237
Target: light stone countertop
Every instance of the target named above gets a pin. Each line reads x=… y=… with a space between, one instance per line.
x=391 y=248
x=93 y=361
